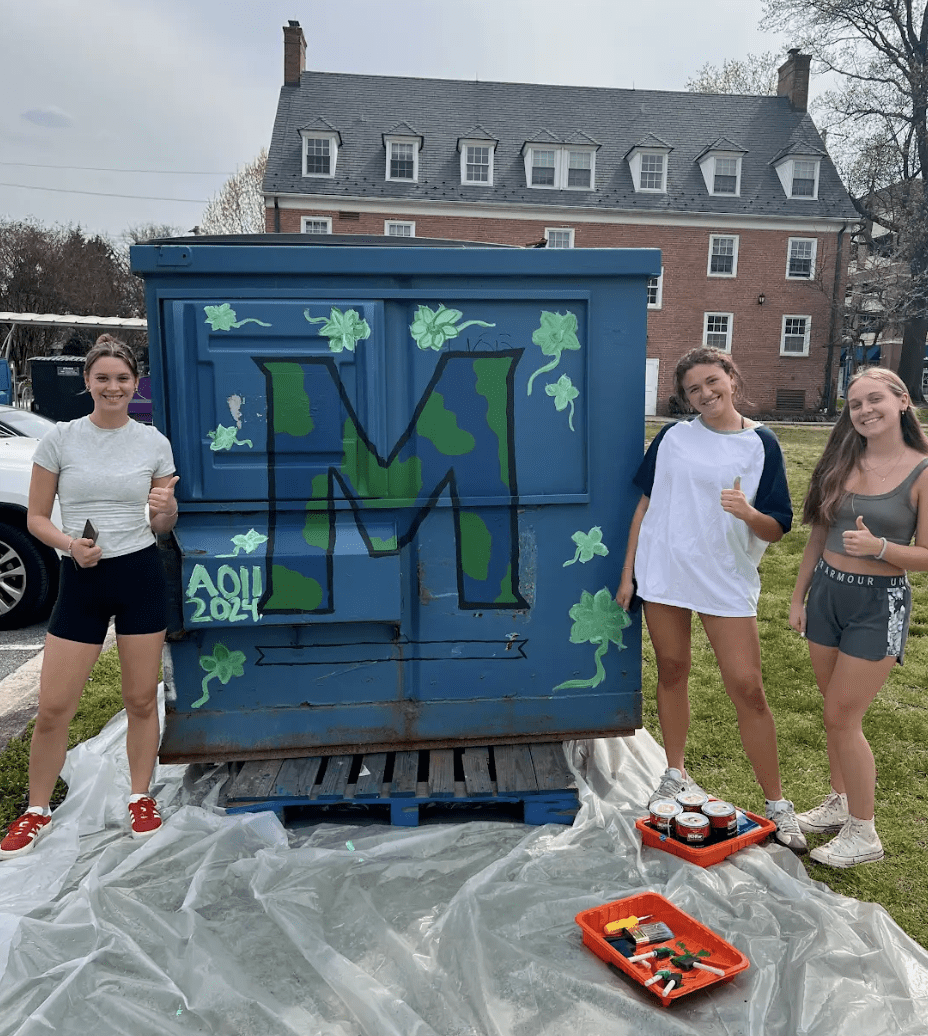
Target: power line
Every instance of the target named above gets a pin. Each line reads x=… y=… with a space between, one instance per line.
x=103 y=194
x=105 y=169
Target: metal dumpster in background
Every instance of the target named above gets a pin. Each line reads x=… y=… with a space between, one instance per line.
x=405 y=491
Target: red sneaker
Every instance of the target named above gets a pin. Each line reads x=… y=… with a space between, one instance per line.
x=144 y=817
x=23 y=834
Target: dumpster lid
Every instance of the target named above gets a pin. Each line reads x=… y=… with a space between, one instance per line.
x=356 y=240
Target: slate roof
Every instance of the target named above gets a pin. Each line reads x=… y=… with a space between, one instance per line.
x=364 y=108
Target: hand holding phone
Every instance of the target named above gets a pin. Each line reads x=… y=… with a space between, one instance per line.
x=90 y=531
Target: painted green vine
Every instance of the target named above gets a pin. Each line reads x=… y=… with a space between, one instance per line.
x=597 y=620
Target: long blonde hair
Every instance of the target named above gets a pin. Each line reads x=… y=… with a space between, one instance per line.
x=846 y=445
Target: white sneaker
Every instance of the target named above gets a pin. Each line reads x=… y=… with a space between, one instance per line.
x=788 y=832
x=831 y=815
x=856 y=842
x=671 y=784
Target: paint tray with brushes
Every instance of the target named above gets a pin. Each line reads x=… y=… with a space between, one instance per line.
x=689 y=939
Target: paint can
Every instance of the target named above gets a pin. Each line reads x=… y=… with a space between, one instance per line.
x=692 y=828
x=723 y=818
x=663 y=812
x=692 y=801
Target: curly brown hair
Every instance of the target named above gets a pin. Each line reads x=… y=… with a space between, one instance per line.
x=706 y=354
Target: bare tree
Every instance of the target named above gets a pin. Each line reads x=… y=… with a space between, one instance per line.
x=238 y=208
x=877 y=121
x=756 y=74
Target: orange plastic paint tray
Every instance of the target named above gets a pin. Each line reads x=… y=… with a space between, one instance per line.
x=685 y=929
x=714 y=852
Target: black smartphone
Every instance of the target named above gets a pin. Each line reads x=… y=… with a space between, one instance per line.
x=90 y=531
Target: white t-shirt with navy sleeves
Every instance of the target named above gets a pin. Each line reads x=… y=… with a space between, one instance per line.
x=691 y=553
x=105 y=474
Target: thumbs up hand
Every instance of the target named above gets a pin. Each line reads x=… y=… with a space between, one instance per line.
x=161 y=497
x=735 y=502
x=860 y=542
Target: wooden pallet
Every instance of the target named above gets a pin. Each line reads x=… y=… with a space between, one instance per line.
x=439 y=781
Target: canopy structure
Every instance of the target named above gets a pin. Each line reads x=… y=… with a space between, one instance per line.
x=14 y=389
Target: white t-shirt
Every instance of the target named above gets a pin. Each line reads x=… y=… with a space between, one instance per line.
x=691 y=553
x=105 y=474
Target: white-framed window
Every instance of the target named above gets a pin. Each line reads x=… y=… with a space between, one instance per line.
x=794 y=340
x=800 y=258
x=402 y=158
x=656 y=291
x=799 y=177
x=726 y=175
x=477 y=162
x=723 y=255
x=320 y=153
x=399 y=228
x=560 y=168
x=559 y=237
x=653 y=172
x=716 y=330
x=316 y=225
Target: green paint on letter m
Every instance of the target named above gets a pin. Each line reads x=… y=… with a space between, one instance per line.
x=492 y=385
x=292 y=414
x=440 y=427
x=476 y=545
x=294 y=592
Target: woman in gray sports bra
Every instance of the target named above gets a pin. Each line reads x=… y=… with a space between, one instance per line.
x=867 y=499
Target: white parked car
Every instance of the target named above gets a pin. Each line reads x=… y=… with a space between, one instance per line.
x=28 y=569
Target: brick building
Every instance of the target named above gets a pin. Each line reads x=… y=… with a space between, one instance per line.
x=738 y=192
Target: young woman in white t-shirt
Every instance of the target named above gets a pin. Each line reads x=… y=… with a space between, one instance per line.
x=105 y=468
x=714 y=494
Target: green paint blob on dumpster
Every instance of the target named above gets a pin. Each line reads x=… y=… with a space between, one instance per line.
x=382 y=484
x=292 y=414
x=476 y=543
x=506 y=596
x=293 y=590
x=388 y=546
x=317 y=529
x=440 y=427
x=492 y=384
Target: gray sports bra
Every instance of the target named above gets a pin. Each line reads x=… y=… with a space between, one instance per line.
x=885 y=514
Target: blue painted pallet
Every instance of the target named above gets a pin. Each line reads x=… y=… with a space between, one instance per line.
x=439 y=782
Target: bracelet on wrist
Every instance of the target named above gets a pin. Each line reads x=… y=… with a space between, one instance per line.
x=70 y=545
x=173 y=513
x=879 y=556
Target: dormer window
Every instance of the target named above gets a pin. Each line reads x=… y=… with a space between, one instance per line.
x=477 y=161
x=648 y=165
x=560 y=168
x=320 y=153
x=402 y=152
x=799 y=176
x=725 y=180
x=720 y=165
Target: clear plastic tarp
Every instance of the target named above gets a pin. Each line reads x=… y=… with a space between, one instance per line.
x=234 y=924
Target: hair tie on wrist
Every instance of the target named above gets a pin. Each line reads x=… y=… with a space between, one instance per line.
x=879 y=556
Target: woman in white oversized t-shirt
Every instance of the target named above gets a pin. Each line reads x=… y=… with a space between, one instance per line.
x=714 y=494
x=105 y=468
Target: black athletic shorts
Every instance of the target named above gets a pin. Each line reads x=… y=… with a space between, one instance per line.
x=131 y=587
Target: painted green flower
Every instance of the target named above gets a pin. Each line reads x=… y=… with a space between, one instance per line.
x=558 y=331
x=248 y=542
x=343 y=330
x=564 y=394
x=432 y=328
x=225 y=438
x=222 y=318
x=597 y=620
x=221 y=665
x=588 y=544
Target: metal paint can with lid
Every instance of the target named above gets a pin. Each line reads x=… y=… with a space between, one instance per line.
x=723 y=818
x=663 y=812
x=692 y=801
x=692 y=828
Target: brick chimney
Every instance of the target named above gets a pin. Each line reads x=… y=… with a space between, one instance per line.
x=794 y=79
x=294 y=53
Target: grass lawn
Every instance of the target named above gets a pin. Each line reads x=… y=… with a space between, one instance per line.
x=896 y=725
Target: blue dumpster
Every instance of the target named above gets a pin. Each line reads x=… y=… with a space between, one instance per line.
x=405 y=491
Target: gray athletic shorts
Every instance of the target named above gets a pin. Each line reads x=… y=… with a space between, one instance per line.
x=863 y=616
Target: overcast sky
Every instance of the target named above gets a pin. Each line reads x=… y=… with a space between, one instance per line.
x=164 y=99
